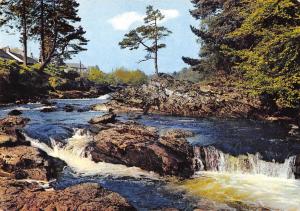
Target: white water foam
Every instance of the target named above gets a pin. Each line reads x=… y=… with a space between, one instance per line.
x=104 y=97
x=254 y=190
x=20 y=108
x=74 y=154
x=218 y=161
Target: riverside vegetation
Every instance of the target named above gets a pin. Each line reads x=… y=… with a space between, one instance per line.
x=222 y=134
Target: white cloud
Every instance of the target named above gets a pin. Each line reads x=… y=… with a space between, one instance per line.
x=125 y=20
x=170 y=14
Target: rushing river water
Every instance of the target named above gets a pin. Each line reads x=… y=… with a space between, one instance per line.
x=241 y=163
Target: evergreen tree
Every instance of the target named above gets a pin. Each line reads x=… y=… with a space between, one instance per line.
x=59 y=36
x=217 y=18
x=148 y=36
x=17 y=14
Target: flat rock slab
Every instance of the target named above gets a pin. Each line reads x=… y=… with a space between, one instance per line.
x=105 y=119
x=20 y=195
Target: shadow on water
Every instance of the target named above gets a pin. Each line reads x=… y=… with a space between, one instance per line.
x=233 y=136
x=142 y=193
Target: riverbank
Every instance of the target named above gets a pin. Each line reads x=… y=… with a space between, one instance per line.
x=154 y=157
x=168 y=96
x=25 y=174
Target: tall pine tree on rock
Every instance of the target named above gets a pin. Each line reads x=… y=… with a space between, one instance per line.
x=148 y=36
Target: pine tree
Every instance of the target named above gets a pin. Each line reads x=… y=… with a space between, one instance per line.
x=59 y=36
x=148 y=36
x=17 y=14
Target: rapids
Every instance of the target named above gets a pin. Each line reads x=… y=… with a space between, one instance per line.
x=250 y=189
x=242 y=162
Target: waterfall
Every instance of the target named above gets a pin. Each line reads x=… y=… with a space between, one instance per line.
x=211 y=159
x=77 y=157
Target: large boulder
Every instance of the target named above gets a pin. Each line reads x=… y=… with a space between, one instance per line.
x=26 y=162
x=10 y=129
x=20 y=195
x=132 y=144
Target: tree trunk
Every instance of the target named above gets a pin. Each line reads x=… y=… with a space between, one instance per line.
x=42 y=33
x=24 y=32
x=156 y=62
x=156 y=49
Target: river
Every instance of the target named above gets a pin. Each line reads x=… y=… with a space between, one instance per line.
x=248 y=164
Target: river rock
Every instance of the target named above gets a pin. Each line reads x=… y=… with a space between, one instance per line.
x=69 y=108
x=49 y=109
x=15 y=113
x=133 y=144
x=107 y=118
x=10 y=129
x=26 y=162
x=20 y=195
x=166 y=95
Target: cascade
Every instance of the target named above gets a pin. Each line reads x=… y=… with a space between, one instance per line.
x=211 y=159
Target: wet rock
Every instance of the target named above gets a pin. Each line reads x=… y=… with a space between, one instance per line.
x=85 y=109
x=132 y=116
x=26 y=162
x=105 y=119
x=49 y=109
x=15 y=113
x=69 y=108
x=297 y=167
x=18 y=195
x=132 y=144
x=7 y=139
x=10 y=128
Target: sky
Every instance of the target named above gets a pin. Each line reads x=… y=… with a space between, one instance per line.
x=106 y=22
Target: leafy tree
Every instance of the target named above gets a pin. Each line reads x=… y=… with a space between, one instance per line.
x=148 y=36
x=270 y=63
x=96 y=75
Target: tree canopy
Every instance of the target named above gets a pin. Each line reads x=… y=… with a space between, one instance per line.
x=256 y=40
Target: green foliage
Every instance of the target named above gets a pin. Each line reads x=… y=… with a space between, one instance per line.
x=118 y=76
x=257 y=41
x=133 y=77
x=271 y=65
x=96 y=75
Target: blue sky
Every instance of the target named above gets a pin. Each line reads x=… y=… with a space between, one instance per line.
x=106 y=22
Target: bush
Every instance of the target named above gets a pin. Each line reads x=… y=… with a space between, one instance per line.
x=118 y=76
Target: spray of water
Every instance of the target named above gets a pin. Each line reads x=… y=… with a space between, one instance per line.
x=76 y=157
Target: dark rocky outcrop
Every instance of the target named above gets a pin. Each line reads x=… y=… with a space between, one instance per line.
x=15 y=113
x=17 y=84
x=20 y=195
x=297 y=167
x=166 y=95
x=132 y=144
x=69 y=108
